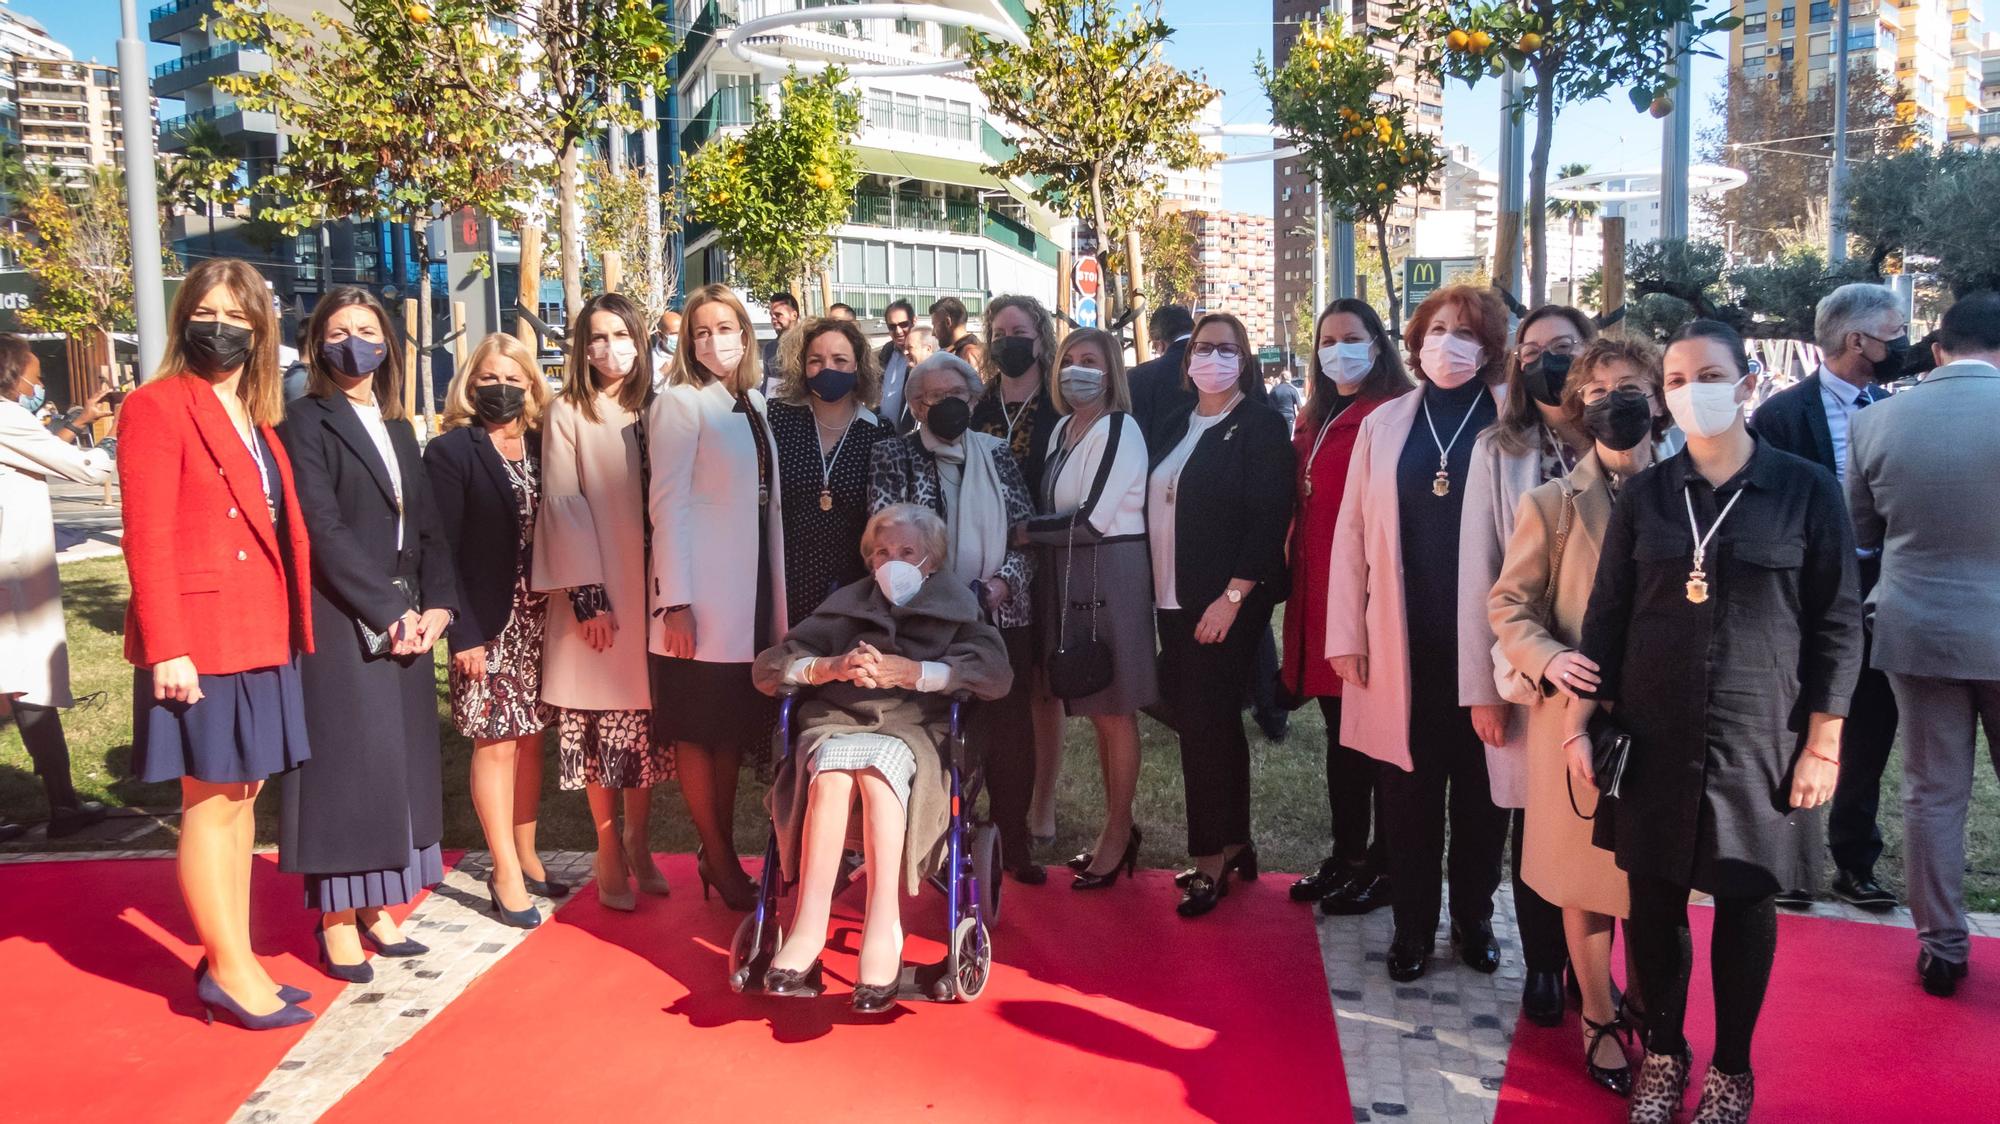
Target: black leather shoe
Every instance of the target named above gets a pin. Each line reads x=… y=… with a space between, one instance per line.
x=1793 y=899
x=546 y=888
x=1617 y=1079
x=1408 y=957
x=1202 y=894
x=1362 y=895
x=67 y=821
x=1029 y=873
x=1476 y=946
x=1329 y=878
x=1244 y=865
x=1861 y=891
x=872 y=1000
x=1542 y=998
x=803 y=985
x=1939 y=976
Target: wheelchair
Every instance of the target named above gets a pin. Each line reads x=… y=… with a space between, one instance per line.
x=969 y=880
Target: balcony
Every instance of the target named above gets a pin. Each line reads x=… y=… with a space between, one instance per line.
x=915 y=212
x=729 y=106
x=713 y=17
x=166 y=22
x=1989 y=123
x=228 y=118
x=176 y=76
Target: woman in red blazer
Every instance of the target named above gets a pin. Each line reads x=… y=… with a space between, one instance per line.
x=218 y=560
x=1355 y=367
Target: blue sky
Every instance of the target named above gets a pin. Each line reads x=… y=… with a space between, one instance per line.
x=1220 y=38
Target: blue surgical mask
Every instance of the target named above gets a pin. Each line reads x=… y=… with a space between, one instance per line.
x=33 y=401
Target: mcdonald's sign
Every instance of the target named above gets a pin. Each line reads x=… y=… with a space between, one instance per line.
x=1424 y=276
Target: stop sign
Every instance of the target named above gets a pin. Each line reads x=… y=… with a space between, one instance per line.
x=1089 y=277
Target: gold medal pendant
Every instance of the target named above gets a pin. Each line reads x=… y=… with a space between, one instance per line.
x=1697 y=587
x=825 y=500
x=1309 y=486
x=1442 y=485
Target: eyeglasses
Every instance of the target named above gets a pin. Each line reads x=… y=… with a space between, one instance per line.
x=1567 y=345
x=1226 y=350
x=1594 y=393
x=901 y=325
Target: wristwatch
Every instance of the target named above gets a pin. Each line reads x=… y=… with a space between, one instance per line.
x=1235 y=595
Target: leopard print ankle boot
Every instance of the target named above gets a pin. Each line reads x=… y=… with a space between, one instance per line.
x=1662 y=1084
x=1725 y=1098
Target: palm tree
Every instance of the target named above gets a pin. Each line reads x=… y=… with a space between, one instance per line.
x=204 y=172
x=1575 y=211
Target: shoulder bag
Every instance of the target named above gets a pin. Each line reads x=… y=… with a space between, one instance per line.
x=1609 y=745
x=1084 y=668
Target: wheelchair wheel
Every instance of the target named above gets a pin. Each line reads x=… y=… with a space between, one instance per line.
x=971 y=959
x=747 y=961
x=986 y=868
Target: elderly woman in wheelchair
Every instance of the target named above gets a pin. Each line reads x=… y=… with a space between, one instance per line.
x=877 y=666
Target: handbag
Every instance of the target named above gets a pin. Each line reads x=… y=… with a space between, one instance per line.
x=1084 y=668
x=1610 y=748
x=375 y=643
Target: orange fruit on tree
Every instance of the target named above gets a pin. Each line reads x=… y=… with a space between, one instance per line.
x=822 y=179
x=1479 y=41
x=1530 y=43
x=1458 y=40
x=418 y=14
x=1661 y=106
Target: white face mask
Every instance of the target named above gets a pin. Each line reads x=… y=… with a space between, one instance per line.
x=1213 y=374
x=899 y=580
x=614 y=358
x=1705 y=409
x=1082 y=386
x=1450 y=361
x=720 y=353
x=1347 y=363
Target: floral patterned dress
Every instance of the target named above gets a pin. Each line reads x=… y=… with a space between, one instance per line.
x=507 y=702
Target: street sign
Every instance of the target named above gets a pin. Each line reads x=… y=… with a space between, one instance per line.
x=1087 y=278
x=1424 y=276
x=1269 y=355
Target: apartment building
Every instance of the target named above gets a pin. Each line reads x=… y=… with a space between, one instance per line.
x=66 y=115
x=1233 y=253
x=20 y=37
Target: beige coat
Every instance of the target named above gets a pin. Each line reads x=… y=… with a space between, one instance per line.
x=591 y=530
x=1557 y=857
x=1365 y=605
x=34 y=645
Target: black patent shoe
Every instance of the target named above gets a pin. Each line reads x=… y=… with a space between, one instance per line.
x=1362 y=895
x=1862 y=892
x=1476 y=946
x=546 y=887
x=1102 y=880
x=1617 y=1078
x=1542 y=998
x=1793 y=899
x=1330 y=878
x=794 y=984
x=870 y=999
x=1202 y=893
x=1080 y=861
x=1939 y=976
x=1243 y=863
x=1408 y=957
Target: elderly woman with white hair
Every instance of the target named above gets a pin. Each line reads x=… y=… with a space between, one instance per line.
x=972 y=482
x=882 y=660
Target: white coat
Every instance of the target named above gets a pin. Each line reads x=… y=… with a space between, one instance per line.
x=704 y=506
x=34 y=646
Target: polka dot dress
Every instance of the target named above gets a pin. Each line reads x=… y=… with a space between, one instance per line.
x=822 y=546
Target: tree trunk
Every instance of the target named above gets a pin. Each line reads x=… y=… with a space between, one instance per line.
x=570 y=230
x=421 y=245
x=1388 y=274
x=1103 y=255
x=1136 y=280
x=1538 y=187
x=528 y=285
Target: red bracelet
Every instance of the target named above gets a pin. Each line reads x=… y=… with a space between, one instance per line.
x=1823 y=757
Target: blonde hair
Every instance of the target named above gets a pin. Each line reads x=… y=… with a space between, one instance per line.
x=792 y=360
x=458 y=409
x=1117 y=393
x=686 y=370
x=1045 y=333
x=261 y=387
x=925 y=522
x=580 y=387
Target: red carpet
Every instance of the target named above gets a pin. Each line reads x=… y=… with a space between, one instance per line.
x=1102 y=1007
x=101 y=1022
x=1845 y=1034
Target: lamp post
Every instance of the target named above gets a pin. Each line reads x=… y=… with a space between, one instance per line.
x=149 y=302
x=1836 y=213
x=1674 y=154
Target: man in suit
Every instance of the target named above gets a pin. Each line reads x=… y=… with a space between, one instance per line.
x=1920 y=486
x=784 y=310
x=1158 y=398
x=1864 y=341
x=898 y=360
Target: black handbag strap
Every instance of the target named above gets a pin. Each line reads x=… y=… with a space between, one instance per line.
x=1104 y=464
x=1069 y=551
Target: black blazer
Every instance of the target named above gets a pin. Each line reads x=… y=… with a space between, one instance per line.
x=481 y=524
x=1158 y=398
x=1794 y=421
x=1233 y=505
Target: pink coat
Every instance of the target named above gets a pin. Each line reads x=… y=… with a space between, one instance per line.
x=1364 y=610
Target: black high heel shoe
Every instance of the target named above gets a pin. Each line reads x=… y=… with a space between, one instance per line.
x=1202 y=893
x=363 y=972
x=518 y=918
x=1085 y=880
x=286 y=992
x=546 y=888
x=404 y=947
x=1617 y=1079
x=791 y=984
x=1080 y=861
x=1244 y=863
x=869 y=999
x=742 y=900
x=214 y=999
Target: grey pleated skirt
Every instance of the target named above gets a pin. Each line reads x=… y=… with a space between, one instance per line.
x=856 y=753
x=1122 y=605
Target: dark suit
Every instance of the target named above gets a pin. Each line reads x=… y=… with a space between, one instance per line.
x=1232 y=510
x=904 y=421
x=481 y=523
x=371 y=791
x=1158 y=396
x=1794 y=419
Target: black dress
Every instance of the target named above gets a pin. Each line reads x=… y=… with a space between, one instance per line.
x=822 y=546
x=1714 y=693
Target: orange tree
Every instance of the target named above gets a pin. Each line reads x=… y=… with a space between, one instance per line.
x=1332 y=101
x=1568 y=51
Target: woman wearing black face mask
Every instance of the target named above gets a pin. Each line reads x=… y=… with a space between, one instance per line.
x=486 y=471
x=1532 y=441
x=826 y=435
x=1536 y=610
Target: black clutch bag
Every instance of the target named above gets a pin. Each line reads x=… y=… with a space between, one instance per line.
x=1610 y=748
x=378 y=643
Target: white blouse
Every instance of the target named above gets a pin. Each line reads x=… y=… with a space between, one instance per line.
x=1160 y=507
x=1121 y=509
x=371 y=420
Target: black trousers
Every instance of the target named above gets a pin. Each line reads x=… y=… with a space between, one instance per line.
x=1852 y=834
x=1740 y=951
x=1002 y=732
x=1264 y=681
x=1448 y=781
x=1206 y=683
x=1544 y=945
x=42 y=733
x=1354 y=799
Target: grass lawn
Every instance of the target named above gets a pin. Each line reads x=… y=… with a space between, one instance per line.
x=1288 y=779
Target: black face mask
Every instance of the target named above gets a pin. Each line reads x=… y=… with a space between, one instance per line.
x=1544 y=378
x=949 y=419
x=354 y=356
x=213 y=347
x=1015 y=355
x=1620 y=419
x=499 y=403
x=1896 y=353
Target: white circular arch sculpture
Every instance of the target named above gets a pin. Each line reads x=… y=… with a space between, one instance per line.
x=1277 y=152
x=738 y=39
x=1703 y=179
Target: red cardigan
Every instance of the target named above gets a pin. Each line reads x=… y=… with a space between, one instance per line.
x=209 y=580
x=1312 y=547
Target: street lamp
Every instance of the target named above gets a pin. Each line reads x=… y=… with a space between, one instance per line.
x=149 y=301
